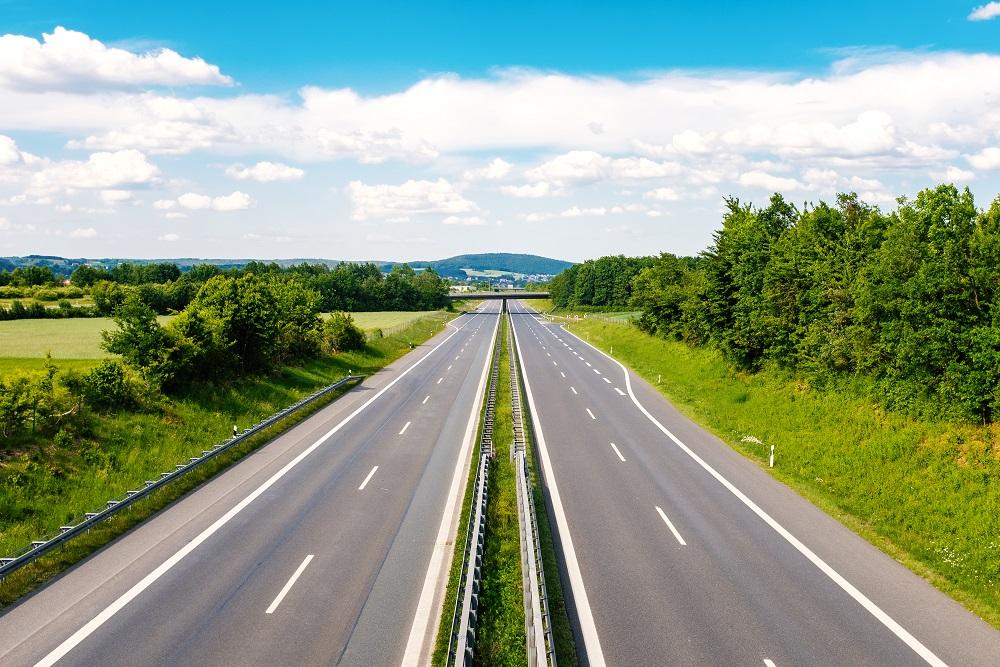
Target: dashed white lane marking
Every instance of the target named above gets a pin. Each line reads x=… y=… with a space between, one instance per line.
x=574 y=389
x=606 y=380
x=615 y=447
x=591 y=414
x=561 y=373
x=288 y=586
x=426 y=398
x=596 y=371
x=555 y=363
x=768 y=662
x=671 y=526
x=367 y=479
x=620 y=392
x=449 y=366
x=405 y=426
x=588 y=363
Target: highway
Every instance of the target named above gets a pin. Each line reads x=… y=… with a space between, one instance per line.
x=677 y=550
x=326 y=546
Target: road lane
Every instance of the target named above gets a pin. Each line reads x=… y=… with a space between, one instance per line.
x=208 y=607
x=737 y=592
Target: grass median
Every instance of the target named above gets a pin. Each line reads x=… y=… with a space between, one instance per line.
x=47 y=485
x=923 y=491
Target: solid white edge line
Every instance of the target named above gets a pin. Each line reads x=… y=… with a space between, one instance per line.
x=288 y=586
x=671 y=526
x=367 y=479
x=429 y=603
x=405 y=426
x=849 y=588
x=585 y=617
x=101 y=618
x=615 y=447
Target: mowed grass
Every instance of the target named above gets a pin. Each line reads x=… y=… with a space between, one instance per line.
x=386 y=319
x=924 y=492
x=72 y=338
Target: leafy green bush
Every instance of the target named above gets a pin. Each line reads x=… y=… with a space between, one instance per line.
x=341 y=334
x=108 y=387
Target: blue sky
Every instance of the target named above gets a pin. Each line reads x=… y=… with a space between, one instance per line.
x=407 y=131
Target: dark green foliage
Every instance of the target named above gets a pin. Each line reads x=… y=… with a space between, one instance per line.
x=341 y=334
x=108 y=387
x=908 y=298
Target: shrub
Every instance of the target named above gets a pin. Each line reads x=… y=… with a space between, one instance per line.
x=108 y=387
x=341 y=334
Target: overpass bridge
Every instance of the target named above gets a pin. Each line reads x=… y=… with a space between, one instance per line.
x=497 y=294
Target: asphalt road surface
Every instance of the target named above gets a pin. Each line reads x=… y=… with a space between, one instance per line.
x=317 y=549
x=680 y=551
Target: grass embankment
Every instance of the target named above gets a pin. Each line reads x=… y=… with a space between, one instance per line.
x=47 y=485
x=500 y=638
x=925 y=492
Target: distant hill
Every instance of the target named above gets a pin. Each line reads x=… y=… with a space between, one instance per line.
x=460 y=266
x=496 y=262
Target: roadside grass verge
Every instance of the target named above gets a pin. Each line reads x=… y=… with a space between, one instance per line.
x=500 y=638
x=925 y=492
x=45 y=485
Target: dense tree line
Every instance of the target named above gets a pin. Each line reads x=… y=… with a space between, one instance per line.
x=598 y=284
x=909 y=298
x=166 y=289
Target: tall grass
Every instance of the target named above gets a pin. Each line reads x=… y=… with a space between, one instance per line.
x=925 y=492
x=47 y=484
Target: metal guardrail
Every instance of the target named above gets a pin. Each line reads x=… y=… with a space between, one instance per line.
x=539 y=643
x=462 y=642
x=37 y=548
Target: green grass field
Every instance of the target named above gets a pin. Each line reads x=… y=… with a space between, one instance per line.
x=73 y=338
x=80 y=338
x=924 y=492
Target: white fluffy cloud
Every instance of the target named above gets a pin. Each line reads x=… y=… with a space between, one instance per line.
x=66 y=59
x=412 y=197
x=169 y=237
x=591 y=166
x=193 y=201
x=988 y=158
x=663 y=194
x=115 y=196
x=985 y=12
x=100 y=171
x=953 y=174
x=765 y=181
x=497 y=169
x=83 y=233
x=265 y=172
x=528 y=190
x=468 y=221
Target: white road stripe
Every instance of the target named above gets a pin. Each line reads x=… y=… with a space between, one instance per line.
x=368 y=478
x=555 y=363
x=902 y=633
x=288 y=585
x=768 y=662
x=591 y=414
x=449 y=366
x=587 y=362
x=622 y=393
x=615 y=447
x=101 y=618
x=574 y=389
x=439 y=381
x=595 y=370
x=426 y=398
x=405 y=426
x=606 y=380
x=671 y=527
x=561 y=373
